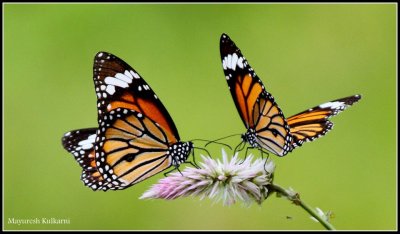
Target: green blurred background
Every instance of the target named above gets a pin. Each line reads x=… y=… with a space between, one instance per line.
x=305 y=54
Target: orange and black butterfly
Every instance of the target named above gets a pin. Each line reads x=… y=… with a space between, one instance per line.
x=267 y=127
x=136 y=137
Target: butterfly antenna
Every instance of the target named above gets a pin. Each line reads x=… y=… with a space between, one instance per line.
x=199 y=148
x=216 y=140
x=209 y=142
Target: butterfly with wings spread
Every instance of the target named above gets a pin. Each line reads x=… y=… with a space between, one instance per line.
x=136 y=137
x=267 y=127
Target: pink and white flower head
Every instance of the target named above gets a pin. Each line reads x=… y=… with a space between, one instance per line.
x=229 y=180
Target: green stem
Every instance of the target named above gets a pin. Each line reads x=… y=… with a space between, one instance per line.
x=295 y=198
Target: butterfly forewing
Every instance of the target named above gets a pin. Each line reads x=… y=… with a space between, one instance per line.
x=118 y=85
x=257 y=108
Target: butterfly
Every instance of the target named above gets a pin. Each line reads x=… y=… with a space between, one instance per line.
x=135 y=138
x=267 y=127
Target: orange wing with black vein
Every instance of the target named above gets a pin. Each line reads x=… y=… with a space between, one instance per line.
x=313 y=123
x=243 y=83
x=132 y=148
x=266 y=125
x=257 y=108
x=134 y=130
x=118 y=85
x=271 y=130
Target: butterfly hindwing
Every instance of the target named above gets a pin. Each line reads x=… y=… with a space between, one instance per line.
x=132 y=148
x=81 y=144
x=271 y=129
x=313 y=123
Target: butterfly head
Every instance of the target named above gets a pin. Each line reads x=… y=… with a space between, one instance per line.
x=179 y=152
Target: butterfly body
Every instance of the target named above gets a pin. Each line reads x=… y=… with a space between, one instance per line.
x=267 y=127
x=135 y=138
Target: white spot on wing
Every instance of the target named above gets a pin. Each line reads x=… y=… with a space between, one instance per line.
x=224 y=63
x=88 y=143
x=234 y=61
x=229 y=60
x=123 y=77
x=332 y=105
x=116 y=82
x=110 y=89
x=127 y=73
x=240 y=62
x=134 y=74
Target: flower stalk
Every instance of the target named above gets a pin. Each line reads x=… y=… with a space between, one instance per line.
x=295 y=198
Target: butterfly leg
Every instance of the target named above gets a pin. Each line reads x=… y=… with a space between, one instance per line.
x=166 y=173
x=238 y=149
x=245 y=155
x=264 y=152
x=176 y=168
x=193 y=164
x=262 y=156
x=194 y=161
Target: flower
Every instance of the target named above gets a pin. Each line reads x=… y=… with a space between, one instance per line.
x=229 y=181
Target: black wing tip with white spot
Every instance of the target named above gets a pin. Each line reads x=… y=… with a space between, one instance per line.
x=103 y=56
x=227 y=46
x=102 y=53
x=224 y=38
x=350 y=100
x=341 y=104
